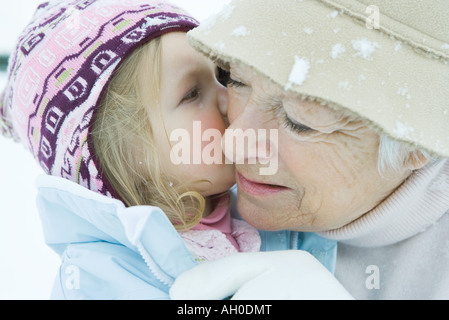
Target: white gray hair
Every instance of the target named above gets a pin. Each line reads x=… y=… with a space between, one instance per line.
x=393 y=154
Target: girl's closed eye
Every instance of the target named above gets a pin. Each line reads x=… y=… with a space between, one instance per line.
x=191 y=95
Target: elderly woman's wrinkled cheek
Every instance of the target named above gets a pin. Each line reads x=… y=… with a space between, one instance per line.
x=339 y=158
x=311 y=203
x=352 y=142
x=325 y=160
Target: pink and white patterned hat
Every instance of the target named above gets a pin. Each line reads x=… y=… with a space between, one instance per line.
x=62 y=63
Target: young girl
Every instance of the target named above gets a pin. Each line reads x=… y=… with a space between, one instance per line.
x=96 y=87
x=164 y=86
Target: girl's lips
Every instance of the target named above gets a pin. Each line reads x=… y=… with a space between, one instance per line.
x=259 y=189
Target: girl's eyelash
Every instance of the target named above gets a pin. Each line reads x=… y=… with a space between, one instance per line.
x=192 y=94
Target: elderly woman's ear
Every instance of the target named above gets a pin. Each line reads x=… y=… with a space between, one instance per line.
x=416 y=160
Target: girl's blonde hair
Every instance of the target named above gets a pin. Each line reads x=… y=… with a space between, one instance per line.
x=124 y=144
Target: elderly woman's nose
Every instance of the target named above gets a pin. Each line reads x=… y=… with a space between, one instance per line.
x=246 y=122
x=246 y=117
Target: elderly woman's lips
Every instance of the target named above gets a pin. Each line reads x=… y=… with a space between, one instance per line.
x=257 y=188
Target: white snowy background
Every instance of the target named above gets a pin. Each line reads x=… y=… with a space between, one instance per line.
x=27 y=266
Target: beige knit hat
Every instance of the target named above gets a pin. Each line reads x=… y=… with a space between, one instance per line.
x=386 y=60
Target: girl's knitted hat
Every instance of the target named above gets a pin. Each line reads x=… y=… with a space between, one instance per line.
x=62 y=63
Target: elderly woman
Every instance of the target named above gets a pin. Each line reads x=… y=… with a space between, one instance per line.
x=359 y=95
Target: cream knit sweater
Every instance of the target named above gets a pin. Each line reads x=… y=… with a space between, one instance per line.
x=400 y=250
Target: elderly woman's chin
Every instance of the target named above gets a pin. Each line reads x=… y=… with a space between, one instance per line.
x=285 y=211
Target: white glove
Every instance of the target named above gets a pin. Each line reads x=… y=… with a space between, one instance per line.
x=276 y=275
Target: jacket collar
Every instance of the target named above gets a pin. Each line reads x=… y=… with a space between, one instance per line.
x=71 y=213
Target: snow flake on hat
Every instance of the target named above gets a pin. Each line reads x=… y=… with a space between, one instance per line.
x=299 y=72
x=364 y=48
x=404 y=91
x=337 y=51
x=241 y=31
x=333 y=14
x=308 y=30
x=220 y=45
x=397 y=46
x=403 y=130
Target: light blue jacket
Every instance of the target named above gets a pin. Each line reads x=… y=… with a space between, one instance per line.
x=109 y=251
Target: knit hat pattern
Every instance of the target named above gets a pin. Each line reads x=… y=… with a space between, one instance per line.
x=63 y=61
